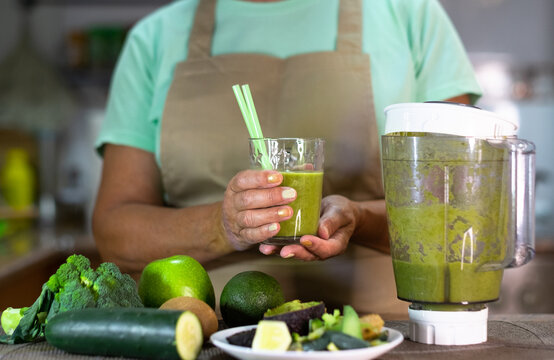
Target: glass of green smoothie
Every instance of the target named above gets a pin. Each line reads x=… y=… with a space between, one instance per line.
x=300 y=161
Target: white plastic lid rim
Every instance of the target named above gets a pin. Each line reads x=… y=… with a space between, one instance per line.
x=447 y=118
x=448 y=327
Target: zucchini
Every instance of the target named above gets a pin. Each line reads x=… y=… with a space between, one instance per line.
x=346 y=342
x=127 y=332
x=318 y=344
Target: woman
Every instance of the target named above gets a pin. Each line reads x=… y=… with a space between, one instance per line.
x=175 y=146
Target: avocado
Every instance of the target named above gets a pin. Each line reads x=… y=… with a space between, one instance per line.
x=297 y=314
x=242 y=338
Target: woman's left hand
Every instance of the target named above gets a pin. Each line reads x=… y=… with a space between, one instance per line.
x=336 y=226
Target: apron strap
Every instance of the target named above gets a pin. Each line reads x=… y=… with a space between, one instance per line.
x=349 y=32
x=200 y=39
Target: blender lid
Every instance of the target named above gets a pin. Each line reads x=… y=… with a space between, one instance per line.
x=449 y=118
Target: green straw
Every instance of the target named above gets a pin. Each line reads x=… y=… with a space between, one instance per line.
x=253 y=115
x=248 y=110
x=244 y=109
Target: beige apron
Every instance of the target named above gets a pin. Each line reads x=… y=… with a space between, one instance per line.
x=324 y=94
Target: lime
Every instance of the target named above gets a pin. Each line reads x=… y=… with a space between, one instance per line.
x=178 y=275
x=10 y=319
x=247 y=296
x=272 y=335
x=188 y=336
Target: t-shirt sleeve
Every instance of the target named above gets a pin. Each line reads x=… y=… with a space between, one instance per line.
x=442 y=67
x=126 y=121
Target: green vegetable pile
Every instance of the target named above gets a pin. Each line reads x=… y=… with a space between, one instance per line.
x=334 y=332
x=328 y=332
x=74 y=286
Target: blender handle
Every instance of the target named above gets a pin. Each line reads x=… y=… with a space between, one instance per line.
x=522 y=158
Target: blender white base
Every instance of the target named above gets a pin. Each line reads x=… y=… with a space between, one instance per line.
x=448 y=327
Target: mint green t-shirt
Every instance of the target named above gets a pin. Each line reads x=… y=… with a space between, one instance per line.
x=415 y=52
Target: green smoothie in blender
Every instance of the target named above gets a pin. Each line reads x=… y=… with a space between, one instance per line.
x=447 y=220
x=459 y=198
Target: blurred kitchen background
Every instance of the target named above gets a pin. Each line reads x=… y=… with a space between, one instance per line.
x=56 y=59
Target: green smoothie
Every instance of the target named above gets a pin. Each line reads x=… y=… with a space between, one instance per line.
x=306 y=207
x=454 y=283
x=448 y=218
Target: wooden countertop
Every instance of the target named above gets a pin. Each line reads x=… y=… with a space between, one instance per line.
x=509 y=337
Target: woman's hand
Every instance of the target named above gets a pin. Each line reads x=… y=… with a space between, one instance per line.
x=253 y=206
x=336 y=226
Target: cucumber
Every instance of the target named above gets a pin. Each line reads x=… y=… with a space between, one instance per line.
x=351 y=322
x=318 y=344
x=346 y=342
x=127 y=332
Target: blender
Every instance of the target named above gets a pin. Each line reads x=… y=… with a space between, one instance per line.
x=459 y=193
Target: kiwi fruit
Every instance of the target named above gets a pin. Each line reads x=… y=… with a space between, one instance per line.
x=202 y=310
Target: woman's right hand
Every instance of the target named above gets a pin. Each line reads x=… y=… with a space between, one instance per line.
x=253 y=206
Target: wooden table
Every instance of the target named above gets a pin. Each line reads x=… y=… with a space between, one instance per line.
x=509 y=337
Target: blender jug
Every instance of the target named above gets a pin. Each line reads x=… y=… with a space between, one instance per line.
x=459 y=197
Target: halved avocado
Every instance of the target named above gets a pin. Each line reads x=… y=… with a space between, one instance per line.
x=297 y=314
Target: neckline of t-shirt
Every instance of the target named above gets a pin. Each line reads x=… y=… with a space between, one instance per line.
x=278 y=7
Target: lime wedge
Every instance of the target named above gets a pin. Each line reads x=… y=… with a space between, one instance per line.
x=272 y=335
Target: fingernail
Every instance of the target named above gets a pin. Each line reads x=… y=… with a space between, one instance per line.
x=306 y=243
x=289 y=194
x=291 y=255
x=270 y=252
x=273 y=178
x=283 y=212
x=272 y=227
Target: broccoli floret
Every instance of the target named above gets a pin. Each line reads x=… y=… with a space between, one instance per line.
x=76 y=267
x=76 y=296
x=109 y=268
x=81 y=262
x=53 y=283
x=66 y=273
x=114 y=288
x=88 y=277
